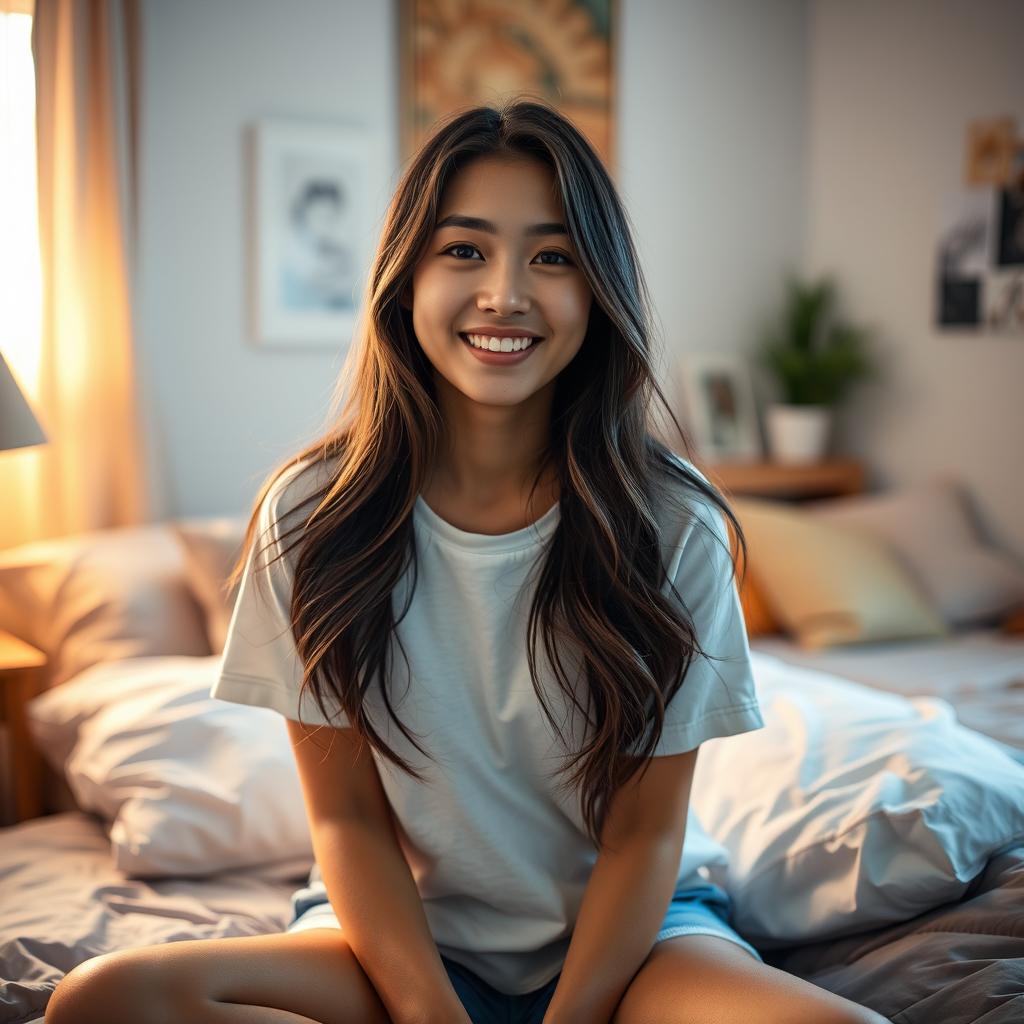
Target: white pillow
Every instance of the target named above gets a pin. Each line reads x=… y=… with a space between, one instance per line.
x=852 y=808
x=189 y=785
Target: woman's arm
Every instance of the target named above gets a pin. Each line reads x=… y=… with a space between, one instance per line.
x=632 y=881
x=368 y=881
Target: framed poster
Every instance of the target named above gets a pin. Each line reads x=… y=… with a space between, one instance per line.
x=722 y=411
x=458 y=55
x=312 y=234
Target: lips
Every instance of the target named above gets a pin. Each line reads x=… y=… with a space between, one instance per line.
x=465 y=337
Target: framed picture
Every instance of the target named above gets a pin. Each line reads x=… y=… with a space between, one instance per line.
x=991 y=145
x=313 y=243
x=721 y=408
x=453 y=56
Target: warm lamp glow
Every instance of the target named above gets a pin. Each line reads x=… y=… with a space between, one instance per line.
x=20 y=277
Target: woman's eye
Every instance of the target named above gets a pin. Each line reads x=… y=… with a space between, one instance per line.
x=561 y=255
x=548 y=252
x=451 y=249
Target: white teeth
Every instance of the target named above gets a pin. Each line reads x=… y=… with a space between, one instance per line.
x=499 y=344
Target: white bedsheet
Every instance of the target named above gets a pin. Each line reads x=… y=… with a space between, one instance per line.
x=86 y=906
x=979 y=672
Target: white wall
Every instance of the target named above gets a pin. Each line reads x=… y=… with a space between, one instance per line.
x=222 y=410
x=892 y=88
x=712 y=120
x=711 y=115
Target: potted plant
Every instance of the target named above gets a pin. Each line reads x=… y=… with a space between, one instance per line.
x=814 y=358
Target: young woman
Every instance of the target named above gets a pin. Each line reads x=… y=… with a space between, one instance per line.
x=498 y=815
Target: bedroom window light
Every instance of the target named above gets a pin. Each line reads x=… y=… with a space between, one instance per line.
x=20 y=274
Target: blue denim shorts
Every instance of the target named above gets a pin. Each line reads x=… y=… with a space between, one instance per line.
x=698 y=910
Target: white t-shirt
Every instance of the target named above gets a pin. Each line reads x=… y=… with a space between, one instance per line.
x=499 y=853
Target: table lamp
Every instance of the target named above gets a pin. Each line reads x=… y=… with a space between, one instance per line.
x=18 y=426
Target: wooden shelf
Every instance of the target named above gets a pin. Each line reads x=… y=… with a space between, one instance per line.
x=830 y=478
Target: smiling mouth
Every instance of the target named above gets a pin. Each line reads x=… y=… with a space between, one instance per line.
x=534 y=341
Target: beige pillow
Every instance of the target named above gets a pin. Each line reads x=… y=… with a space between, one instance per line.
x=929 y=528
x=100 y=596
x=757 y=615
x=211 y=547
x=828 y=584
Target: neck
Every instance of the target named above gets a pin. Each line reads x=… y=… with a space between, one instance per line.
x=490 y=455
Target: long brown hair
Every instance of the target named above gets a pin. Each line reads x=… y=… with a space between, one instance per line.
x=598 y=593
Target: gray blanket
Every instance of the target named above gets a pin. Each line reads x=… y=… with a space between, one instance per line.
x=62 y=901
x=961 y=962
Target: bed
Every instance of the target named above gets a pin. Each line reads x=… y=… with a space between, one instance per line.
x=134 y=848
x=964 y=960
x=980 y=672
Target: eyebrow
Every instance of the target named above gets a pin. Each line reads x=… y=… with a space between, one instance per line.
x=458 y=220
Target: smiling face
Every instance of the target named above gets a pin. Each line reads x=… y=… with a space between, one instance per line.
x=518 y=276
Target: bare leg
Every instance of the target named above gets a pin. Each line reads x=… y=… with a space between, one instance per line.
x=309 y=977
x=706 y=979
x=237 y=1013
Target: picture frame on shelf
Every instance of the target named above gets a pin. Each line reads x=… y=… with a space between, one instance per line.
x=721 y=408
x=312 y=233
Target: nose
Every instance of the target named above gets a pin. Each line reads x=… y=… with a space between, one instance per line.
x=506 y=290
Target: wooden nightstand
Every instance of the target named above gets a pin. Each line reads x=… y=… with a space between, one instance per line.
x=22 y=671
x=832 y=478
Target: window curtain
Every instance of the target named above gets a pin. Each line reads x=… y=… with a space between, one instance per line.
x=92 y=472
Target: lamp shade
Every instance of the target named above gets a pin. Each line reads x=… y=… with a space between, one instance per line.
x=18 y=426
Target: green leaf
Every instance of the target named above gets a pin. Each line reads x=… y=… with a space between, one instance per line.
x=814 y=358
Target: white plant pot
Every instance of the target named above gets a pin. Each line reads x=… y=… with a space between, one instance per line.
x=798 y=433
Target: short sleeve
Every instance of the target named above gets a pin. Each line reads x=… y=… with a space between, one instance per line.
x=261 y=665
x=718 y=696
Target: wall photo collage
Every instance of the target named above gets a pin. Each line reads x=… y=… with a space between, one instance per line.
x=980 y=271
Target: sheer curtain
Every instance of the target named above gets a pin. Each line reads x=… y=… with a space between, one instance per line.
x=83 y=381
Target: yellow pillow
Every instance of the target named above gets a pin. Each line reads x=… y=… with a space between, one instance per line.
x=829 y=584
x=756 y=614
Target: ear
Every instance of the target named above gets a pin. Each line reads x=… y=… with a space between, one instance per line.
x=405 y=298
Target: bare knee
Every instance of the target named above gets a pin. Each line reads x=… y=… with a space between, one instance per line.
x=114 y=988
x=854 y=1013
x=871 y=1017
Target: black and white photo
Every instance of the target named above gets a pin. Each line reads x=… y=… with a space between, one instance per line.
x=311 y=231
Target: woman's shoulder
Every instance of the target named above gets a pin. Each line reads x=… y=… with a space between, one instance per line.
x=684 y=504
x=294 y=488
x=291 y=499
